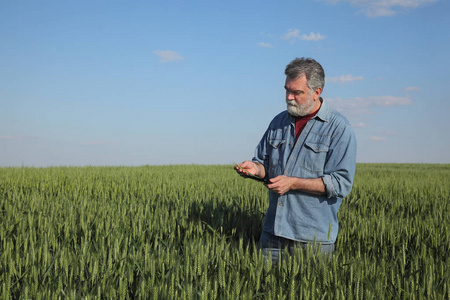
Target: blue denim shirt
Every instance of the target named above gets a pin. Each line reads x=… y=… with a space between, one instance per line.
x=325 y=149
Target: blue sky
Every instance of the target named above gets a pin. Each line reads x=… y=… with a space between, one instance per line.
x=181 y=82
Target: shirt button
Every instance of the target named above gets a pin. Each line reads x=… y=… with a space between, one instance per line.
x=285 y=173
x=281 y=204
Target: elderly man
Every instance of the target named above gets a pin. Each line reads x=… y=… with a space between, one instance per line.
x=307 y=160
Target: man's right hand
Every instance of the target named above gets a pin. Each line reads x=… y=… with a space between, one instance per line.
x=249 y=168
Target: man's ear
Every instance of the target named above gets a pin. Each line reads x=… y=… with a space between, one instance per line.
x=316 y=94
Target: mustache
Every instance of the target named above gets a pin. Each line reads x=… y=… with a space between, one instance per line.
x=292 y=103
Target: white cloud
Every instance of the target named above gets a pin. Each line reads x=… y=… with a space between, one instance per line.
x=264 y=45
x=384 y=8
x=167 y=55
x=294 y=34
x=412 y=89
x=366 y=105
x=359 y=125
x=388 y=101
x=377 y=11
x=313 y=37
x=343 y=79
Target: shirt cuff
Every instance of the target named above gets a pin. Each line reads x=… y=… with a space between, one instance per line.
x=254 y=159
x=329 y=187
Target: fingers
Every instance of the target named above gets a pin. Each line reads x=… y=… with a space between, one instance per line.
x=239 y=170
x=278 y=178
x=245 y=166
x=242 y=168
x=278 y=185
x=239 y=167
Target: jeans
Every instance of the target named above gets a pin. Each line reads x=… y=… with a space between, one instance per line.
x=276 y=245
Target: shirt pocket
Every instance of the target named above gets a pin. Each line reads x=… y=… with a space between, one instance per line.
x=277 y=149
x=315 y=156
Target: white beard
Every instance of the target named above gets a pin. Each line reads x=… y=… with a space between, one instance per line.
x=298 y=110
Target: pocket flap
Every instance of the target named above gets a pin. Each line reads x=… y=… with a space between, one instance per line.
x=317 y=147
x=276 y=143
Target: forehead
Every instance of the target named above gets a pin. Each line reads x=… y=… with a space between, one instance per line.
x=297 y=83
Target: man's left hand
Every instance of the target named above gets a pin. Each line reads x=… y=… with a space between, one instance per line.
x=280 y=184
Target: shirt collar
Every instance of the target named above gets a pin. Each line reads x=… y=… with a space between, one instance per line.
x=321 y=114
x=323 y=111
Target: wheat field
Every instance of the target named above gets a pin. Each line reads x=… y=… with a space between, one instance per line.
x=190 y=232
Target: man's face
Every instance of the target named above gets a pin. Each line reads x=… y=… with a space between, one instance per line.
x=299 y=101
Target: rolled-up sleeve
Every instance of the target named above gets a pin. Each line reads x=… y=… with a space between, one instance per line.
x=260 y=154
x=339 y=168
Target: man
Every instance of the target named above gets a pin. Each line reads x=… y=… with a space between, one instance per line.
x=307 y=159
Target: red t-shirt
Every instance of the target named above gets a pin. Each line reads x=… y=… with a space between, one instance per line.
x=300 y=123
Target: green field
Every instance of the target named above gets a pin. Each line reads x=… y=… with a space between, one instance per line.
x=190 y=232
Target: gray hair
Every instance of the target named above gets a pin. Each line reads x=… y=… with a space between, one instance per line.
x=315 y=75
